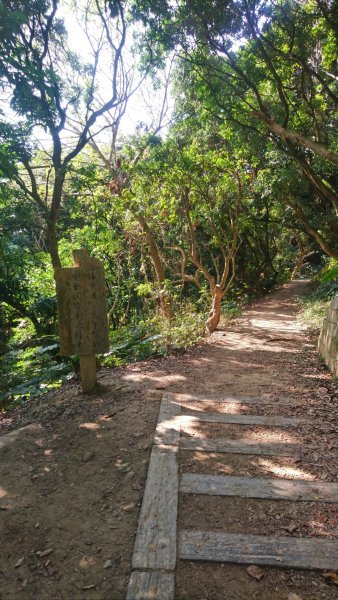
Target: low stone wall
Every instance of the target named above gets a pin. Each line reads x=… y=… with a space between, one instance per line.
x=328 y=339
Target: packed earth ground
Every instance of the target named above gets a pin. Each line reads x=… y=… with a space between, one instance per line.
x=73 y=468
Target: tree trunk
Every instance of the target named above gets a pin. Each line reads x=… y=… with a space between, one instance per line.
x=332 y=252
x=22 y=311
x=298 y=139
x=164 y=300
x=300 y=260
x=53 y=245
x=320 y=187
x=60 y=173
x=215 y=312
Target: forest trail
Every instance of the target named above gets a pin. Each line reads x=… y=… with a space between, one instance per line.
x=225 y=487
x=73 y=471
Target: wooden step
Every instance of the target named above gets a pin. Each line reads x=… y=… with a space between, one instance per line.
x=155 y=544
x=229 y=398
x=242 y=446
x=151 y=585
x=304 y=553
x=214 y=417
x=168 y=424
x=257 y=487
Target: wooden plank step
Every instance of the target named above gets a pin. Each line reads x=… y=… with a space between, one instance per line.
x=303 y=553
x=168 y=424
x=257 y=487
x=214 y=417
x=151 y=585
x=230 y=398
x=239 y=446
x=155 y=544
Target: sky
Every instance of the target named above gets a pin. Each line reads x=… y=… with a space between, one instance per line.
x=143 y=106
x=146 y=102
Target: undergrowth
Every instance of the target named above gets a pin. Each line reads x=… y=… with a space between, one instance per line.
x=32 y=367
x=154 y=337
x=315 y=303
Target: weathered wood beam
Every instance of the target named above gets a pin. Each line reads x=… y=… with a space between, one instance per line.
x=239 y=446
x=151 y=585
x=257 y=487
x=303 y=553
x=215 y=417
x=155 y=544
x=168 y=424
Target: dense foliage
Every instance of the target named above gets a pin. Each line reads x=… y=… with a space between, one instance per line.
x=237 y=194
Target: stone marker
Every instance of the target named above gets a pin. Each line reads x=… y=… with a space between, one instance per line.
x=328 y=339
x=82 y=308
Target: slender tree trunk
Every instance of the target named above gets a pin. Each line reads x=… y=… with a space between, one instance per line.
x=53 y=245
x=22 y=311
x=320 y=187
x=298 y=139
x=332 y=252
x=164 y=300
x=214 y=316
x=300 y=260
x=60 y=173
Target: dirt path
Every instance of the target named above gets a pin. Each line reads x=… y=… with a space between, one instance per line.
x=72 y=481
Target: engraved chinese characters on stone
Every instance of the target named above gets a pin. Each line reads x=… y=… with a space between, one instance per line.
x=82 y=306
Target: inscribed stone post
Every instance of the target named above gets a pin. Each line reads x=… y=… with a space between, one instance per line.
x=328 y=339
x=82 y=307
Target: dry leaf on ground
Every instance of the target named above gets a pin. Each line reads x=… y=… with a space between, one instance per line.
x=255 y=572
x=331 y=577
x=291 y=528
x=19 y=562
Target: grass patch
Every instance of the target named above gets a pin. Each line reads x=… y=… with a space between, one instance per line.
x=154 y=337
x=315 y=303
x=312 y=312
x=230 y=311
